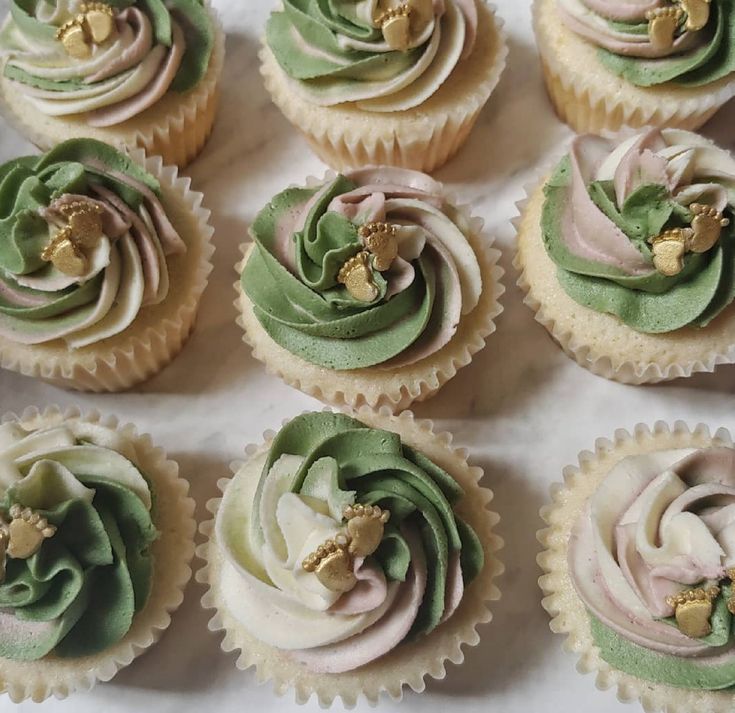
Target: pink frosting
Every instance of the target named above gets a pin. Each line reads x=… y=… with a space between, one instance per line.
x=368 y=594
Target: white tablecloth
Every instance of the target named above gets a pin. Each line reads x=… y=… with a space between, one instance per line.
x=522 y=408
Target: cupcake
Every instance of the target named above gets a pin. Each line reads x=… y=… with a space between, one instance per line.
x=103 y=260
x=383 y=81
x=349 y=557
x=128 y=72
x=639 y=562
x=626 y=254
x=665 y=63
x=368 y=287
x=96 y=537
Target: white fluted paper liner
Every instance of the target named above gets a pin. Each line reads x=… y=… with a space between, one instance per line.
x=409 y=664
x=172 y=553
x=422 y=138
x=176 y=127
x=568 y=614
x=398 y=387
x=601 y=342
x=591 y=98
x=159 y=331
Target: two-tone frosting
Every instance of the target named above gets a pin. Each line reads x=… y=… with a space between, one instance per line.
x=75 y=533
x=652 y=557
x=643 y=229
x=650 y=42
x=341 y=542
x=373 y=267
x=108 y=61
x=84 y=244
x=382 y=55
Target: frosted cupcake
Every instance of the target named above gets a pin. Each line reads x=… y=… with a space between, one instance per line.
x=626 y=255
x=643 y=63
x=383 y=81
x=127 y=72
x=349 y=558
x=639 y=564
x=369 y=287
x=96 y=536
x=103 y=260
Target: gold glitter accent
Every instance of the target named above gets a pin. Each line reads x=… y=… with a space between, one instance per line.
x=663 y=23
x=365 y=528
x=698 y=12
x=380 y=240
x=332 y=564
x=26 y=532
x=357 y=276
x=93 y=26
x=707 y=225
x=82 y=232
x=693 y=609
x=669 y=249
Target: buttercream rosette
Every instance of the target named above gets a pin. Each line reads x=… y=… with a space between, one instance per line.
x=350 y=557
x=648 y=62
x=102 y=263
x=368 y=287
x=122 y=71
x=626 y=255
x=638 y=560
x=96 y=536
x=383 y=81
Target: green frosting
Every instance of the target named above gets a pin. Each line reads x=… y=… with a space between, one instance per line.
x=652 y=302
x=708 y=673
x=291 y=278
x=374 y=467
x=78 y=594
x=39 y=303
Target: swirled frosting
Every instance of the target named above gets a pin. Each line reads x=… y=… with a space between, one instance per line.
x=392 y=580
x=75 y=534
x=643 y=230
x=153 y=47
x=659 y=532
x=308 y=240
x=650 y=42
x=53 y=284
x=358 y=51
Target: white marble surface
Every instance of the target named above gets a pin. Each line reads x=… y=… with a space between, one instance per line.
x=522 y=408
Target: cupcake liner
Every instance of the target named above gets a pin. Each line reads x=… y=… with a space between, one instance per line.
x=422 y=138
x=175 y=128
x=409 y=664
x=396 y=388
x=592 y=99
x=173 y=552
x=568 y=614
x=159 y=331
x=600 y=342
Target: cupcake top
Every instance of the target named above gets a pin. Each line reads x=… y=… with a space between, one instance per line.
x=649 y=42
x=384 y=55
x=369 y=268
x=652 y=557
x=108 y=61
x=84 y=243
x=75 y=532
x=644 y=229
x=344 y=546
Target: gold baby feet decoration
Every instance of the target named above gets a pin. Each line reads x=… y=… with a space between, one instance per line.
x=83 y=231
x=663 y=22
x=401 y=22
x=698 y=13
x=707 y=225
x=357 y=276
x=93 y=26
x=332 y=565
x=365 y=527
x=669 y=249
x=380 y=240
x=693 y=609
